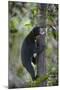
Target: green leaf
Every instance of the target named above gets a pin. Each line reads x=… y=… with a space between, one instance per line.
x=13 y=23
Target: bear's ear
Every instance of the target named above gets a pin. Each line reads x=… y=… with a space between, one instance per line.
x=35 y=31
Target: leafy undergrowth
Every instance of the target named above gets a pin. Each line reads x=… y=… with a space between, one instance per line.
x=38 y=81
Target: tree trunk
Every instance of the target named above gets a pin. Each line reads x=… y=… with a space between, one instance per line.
x=41 y=61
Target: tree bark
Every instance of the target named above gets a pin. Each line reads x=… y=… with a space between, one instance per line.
x=41 y=61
